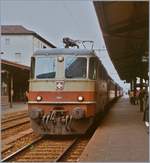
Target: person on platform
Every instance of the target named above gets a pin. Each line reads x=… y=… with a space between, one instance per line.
x=26 y=94
x=136 y=98
x=141 y=98
x=131 y=96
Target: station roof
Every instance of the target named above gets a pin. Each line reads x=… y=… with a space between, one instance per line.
x=20 y=30
x=20 y=72
x=125 y=28
x=13 y=65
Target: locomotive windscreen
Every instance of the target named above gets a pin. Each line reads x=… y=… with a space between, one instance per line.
x=45 y=67
x=75 y=67
x=50 y=67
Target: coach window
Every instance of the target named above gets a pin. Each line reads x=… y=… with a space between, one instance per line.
x=45 y=68
x=75 y=67
x=92 y=68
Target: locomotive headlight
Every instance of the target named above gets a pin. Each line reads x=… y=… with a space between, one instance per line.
x=80 y=98
x=38 y=98
x=60 y=59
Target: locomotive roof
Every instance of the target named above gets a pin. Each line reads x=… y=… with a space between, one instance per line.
x=64 y=51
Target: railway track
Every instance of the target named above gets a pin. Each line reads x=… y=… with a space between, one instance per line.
x=44 y=149
x=13 y=123
x=13 y=115
x=16 y=142
x=9 y=119
x=73 y=154
x=14 y=130
x=41 y=150
x=7 y=124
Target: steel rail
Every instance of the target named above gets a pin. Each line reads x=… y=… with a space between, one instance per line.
x=15 y=118
x=13 y=114
x=58 y=159
x=20 y=150
x=15 y=125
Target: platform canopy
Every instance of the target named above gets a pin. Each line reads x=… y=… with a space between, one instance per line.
x=15 y=78
x=15 y=68
x=125 y=28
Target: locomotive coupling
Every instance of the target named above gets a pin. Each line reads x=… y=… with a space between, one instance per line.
x=78 y=113
x=56 y=118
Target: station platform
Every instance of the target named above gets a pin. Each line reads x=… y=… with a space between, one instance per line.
x=121 y=136
x=16 y=106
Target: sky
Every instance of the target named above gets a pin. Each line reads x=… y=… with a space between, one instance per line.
x=55 y=19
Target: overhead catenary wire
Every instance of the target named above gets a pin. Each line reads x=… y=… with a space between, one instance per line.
x=75 y=22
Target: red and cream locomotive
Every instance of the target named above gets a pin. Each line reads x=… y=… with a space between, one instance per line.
x=68 y=88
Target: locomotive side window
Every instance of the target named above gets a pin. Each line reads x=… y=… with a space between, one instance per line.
x=75 y=67
x=45 y=67
x=93 y=68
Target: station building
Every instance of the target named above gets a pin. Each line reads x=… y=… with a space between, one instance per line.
x=19 y=43
x=17 y=46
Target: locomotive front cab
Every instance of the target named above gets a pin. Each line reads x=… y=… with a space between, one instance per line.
x=62 y=91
